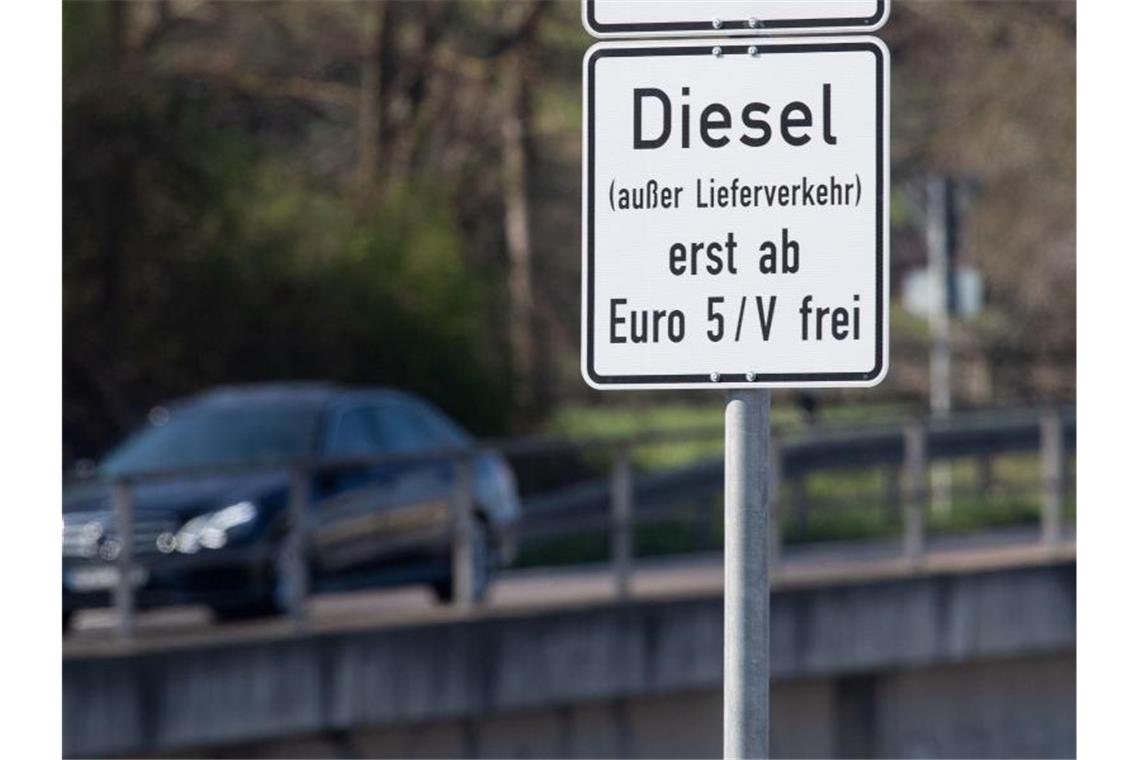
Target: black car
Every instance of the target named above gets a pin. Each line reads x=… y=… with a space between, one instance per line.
x=207 y=533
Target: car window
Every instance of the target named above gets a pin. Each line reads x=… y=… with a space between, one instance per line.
x=354 y=433
x=443 y=427
x=403 y=428
x=196 y=437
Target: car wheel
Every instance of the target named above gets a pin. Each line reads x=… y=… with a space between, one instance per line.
x=284 y=580
x=482 y=560
x=273 y=600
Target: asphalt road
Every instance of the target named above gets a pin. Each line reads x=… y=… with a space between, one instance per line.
x=528 y=591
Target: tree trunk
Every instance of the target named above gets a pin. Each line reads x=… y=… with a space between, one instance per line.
x=516 y=223
x=376 y=31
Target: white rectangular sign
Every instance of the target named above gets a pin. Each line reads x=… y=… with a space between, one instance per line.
x=688 y=18
x=735 y=213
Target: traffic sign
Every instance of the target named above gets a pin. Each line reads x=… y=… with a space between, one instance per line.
x=690 y=18
x=735 y=208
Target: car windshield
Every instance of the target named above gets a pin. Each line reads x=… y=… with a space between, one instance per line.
x=200 y=438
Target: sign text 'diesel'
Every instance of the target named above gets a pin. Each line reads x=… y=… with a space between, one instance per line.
x=689 y=18
x=735 y=213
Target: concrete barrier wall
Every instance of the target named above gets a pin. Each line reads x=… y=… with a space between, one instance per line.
x=1020 y=707
x=838 y=652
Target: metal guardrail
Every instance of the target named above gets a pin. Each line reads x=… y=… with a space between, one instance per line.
x=610 y=504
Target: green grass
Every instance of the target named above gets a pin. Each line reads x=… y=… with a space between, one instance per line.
x=841 y=505
x=860 y=503
x=840 y=525
x=702 y=533
x=570 y=549
x=612 y=420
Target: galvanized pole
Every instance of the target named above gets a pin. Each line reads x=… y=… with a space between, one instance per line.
x=462 y=542
x=1052 y=466
x=940 y=271
x=297 y=546
x=915 y=467
x=940 y=252
x=621 y=521
x=746 y=471
x=124 y=593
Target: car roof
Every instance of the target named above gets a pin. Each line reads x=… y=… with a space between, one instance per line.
x=303 y=395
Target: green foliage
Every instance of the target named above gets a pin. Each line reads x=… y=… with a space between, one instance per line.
x=858 y=522
x=86 y=35
x=220 y=225
x=192 y=258
x=838 y=505
x=627 y=419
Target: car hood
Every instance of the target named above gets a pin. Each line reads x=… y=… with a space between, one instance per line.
x=178 y=498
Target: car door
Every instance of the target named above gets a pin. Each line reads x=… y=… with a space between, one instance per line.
x=377 y=511
x=343 y=497
x=425 y=487
x=496 y=492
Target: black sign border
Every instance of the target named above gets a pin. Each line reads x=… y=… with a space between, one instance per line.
x=729 y=25
x=798 y=378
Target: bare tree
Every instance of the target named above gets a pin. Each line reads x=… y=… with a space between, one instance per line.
x=516 y=54
x=516 y=223
x=376 y=31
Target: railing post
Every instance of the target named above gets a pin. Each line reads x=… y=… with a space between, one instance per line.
x=125 y=559
x=297 y=546
x=915 y=473
x=621 y=521
x=463 y=533
x=985 y=474
x=775 y=472
x=1052 y=465
x=800 y=498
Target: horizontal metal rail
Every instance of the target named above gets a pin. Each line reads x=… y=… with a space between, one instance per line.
x=617 y=503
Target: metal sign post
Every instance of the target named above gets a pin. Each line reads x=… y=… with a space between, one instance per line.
x=746 y=499
x=735 y=213
x=718 y=18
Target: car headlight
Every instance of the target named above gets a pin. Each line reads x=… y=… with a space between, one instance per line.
x=82 y=540
x=211 y=530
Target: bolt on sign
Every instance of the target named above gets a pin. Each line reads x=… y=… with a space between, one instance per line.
x=735 y=210
x=692 y=18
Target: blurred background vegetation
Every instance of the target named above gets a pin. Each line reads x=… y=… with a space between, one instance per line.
x=388 y=193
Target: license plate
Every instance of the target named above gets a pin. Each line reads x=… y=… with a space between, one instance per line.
x=102 y=578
